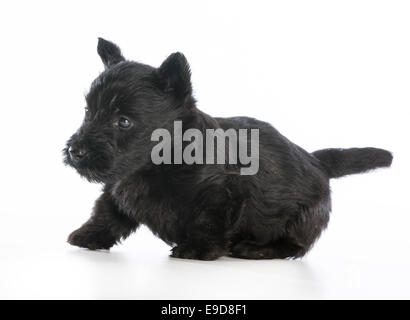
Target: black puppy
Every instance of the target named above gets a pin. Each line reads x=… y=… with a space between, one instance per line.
x=204 y=211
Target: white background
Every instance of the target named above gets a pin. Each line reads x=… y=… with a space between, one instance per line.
x=325 y=73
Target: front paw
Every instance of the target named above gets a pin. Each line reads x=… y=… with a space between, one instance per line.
x=91 y=238
x=187 y=252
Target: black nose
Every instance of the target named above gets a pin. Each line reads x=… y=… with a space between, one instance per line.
x=76 y=153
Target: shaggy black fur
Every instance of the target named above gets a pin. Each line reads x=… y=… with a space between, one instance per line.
x=202 y=211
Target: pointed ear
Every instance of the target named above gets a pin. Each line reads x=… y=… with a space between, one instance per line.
x=174 y=75
x=109 y=53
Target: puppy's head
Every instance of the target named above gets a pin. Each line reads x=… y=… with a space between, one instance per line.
x=125 y=104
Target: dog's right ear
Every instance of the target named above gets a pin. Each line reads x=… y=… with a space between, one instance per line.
x=109 y=53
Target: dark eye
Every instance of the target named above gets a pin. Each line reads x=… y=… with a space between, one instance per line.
x=123 y=123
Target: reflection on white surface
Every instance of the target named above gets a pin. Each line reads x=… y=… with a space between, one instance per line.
x=142 y=269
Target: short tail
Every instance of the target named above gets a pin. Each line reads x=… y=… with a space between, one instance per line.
x=341 y=162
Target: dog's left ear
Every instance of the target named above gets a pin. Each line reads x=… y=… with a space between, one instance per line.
x=109 y=53
x=174 y=75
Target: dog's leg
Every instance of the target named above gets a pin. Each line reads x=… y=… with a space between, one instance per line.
x=280 y=249
x=206 y=233
x=199 y=250
x=106 y=227
x=206 y=239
